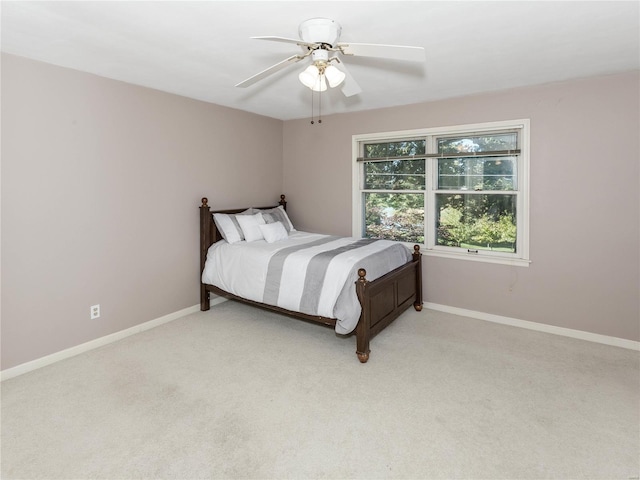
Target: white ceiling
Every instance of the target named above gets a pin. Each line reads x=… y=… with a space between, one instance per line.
x=202 y=49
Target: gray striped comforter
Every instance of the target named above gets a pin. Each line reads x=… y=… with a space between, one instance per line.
x=308 y=273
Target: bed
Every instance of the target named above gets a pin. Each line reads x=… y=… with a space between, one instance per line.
x=241 y=258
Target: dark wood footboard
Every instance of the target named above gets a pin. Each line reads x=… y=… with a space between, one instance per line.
x=385 y=298
x=382 y=299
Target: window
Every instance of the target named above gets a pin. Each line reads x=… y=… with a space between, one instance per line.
x=462 y=191
x=393 y=193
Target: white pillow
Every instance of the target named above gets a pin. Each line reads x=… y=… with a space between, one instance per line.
x=273 y=232
x=278 y=214
x=250 y=226
x=228 y=227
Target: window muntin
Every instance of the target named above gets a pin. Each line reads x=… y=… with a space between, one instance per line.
x=474 y=192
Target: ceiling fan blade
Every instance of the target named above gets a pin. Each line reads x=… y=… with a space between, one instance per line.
x=396 y=52
x=272 y=69
x=286 y=40
x=349 y=86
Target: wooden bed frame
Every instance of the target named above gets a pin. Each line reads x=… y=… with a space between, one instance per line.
x=382 y=300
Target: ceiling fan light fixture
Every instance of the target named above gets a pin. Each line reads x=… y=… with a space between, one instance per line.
x=309 y=76
x=334 y=76
x=320 y=85
x=312 y=77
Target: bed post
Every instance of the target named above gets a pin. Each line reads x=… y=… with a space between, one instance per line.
x=417 y=257
x=205 y=243
x=283 y=202
x=363 y=329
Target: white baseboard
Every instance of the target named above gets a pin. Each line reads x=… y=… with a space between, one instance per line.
x=540 y=327
x=99 y=342
x=215 y=300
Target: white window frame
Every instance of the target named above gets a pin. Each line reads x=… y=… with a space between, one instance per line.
x=429 y=248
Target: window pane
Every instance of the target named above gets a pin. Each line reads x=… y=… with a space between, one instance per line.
x=395 y=149
x=395 y=175
x=479 y=143
x=486 y=173
x=477 y=221
x=394 y=216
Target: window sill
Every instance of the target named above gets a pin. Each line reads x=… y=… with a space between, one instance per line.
x=475 y=257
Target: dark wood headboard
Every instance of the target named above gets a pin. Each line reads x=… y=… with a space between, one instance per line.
x=209 y=233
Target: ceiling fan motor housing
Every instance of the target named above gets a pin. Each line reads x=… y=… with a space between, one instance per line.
x=320 y=56
x=320 y=30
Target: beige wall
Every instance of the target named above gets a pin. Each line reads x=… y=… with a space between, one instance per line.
x=585 y=200
x=101 y=183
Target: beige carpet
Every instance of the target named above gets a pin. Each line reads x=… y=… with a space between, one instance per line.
x=237 y=392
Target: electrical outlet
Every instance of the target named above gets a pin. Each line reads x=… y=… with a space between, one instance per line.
x=95 y=312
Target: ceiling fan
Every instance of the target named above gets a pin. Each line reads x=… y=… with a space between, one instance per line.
x=319 y=41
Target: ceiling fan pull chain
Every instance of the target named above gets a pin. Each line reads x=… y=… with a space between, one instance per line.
x=312 y=122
